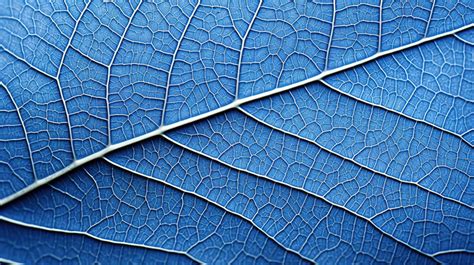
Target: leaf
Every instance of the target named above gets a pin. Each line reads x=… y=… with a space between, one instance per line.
x=237 y=132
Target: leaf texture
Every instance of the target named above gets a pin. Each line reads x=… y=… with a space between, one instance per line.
x=215 y=131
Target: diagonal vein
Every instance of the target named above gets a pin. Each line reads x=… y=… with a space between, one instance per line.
x=109 y=69
x=236 y=103
x=48 y=229
x=244 y=39
x=173 y=60
x=208 y=201
x=353 y=161
x=317 y=196
x=22 y=123
x=17 y=57
x=61 y=64
x=399 y=113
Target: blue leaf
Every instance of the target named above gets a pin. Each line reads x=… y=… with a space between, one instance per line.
x=57 y=246
x=218 y=131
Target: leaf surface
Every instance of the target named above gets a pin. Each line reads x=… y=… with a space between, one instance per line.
x=237 y=131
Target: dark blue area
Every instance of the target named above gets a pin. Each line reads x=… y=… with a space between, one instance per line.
x=19 y=243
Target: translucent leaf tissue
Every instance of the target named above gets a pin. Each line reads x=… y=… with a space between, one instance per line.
x=244 y=132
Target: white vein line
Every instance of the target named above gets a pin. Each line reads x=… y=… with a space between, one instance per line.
x=380 y=26
x=242 y=47
x=11 y=53
x=208 y=201
x=8 y=261
x=467 y=132
x=173 y=60
x=317 y=196
x=416 y=120
x=88 y=57
x=210 y=235
x=236 y=103
x=22 y=123
x=463 y=40
x=351 y=160
x=333 y=27
x=61 y=64
x=81 y=233
x=428 y=23
x=453 y=251
x=109 y=70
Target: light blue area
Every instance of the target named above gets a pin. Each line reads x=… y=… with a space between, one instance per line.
x=39 y=31
x=355 y=33
x=432 y=82
x=449 y=14
x=204 y=74
x=42 y=113
x=18 y=173
x=404 y=22
x=139 y=76
x=83 y=86
x=102 y=25
x=287 y=43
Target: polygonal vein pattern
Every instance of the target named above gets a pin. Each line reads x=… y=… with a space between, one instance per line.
x=248 y=132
